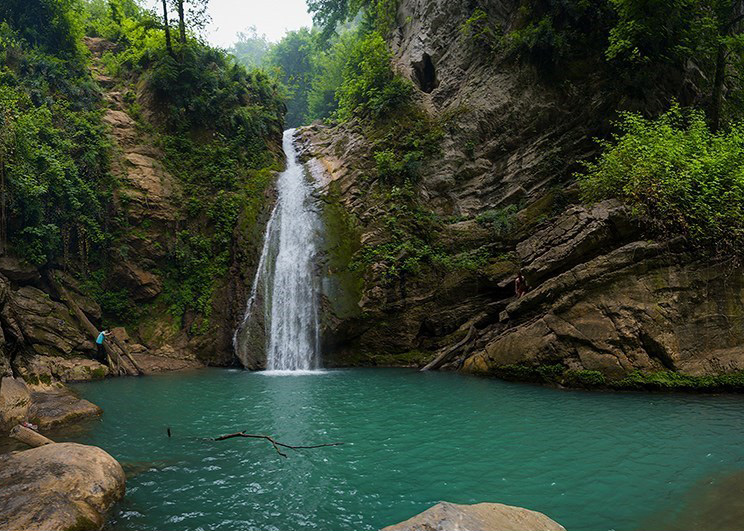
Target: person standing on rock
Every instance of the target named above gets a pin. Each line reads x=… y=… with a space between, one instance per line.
x=520 y=285
x=101 y=348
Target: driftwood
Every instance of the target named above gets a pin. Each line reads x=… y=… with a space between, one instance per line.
x=114 y=359
x=29 y=436
x=445 y=356
x=276 y=444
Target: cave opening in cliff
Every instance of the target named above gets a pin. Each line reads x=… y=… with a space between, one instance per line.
x=426 y=74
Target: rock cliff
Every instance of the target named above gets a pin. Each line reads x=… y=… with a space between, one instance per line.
x=605 y=301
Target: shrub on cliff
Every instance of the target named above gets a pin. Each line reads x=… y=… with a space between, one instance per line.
x=370 y=87
x=678 y=175
x=54 y=180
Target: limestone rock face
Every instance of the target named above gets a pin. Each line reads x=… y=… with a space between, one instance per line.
x=603 y=296
x=47 y=324
x=58 y=487
x=599 y=305
x=446 y=516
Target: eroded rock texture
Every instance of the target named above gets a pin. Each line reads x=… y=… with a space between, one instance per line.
x=58 y=487
x=604 y=295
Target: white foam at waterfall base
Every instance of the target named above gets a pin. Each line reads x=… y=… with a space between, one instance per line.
x=286 y=275
x=294 y=372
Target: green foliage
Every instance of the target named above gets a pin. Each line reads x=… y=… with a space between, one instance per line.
x=370 y=87
x=51 y=26
x=116 y=304
x=583 y=378
x=709 y=33
x=330 y=14
x=501 y=220
x=224 y=183
x=328 y=68
x=116 y=20
x=203 y=89
x=638 y=36
x=292 y=58
x=408 y=228
x=53 y=151
x=551 y=32
x=677 y=175
x=480 y=31
x=250 y=49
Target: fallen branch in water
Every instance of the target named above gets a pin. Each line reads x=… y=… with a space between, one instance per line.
x=276 y=444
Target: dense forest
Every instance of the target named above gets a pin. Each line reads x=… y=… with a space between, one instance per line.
x=676 y=160
x=215 y=122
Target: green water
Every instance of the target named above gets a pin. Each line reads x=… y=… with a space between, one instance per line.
x=591 y=461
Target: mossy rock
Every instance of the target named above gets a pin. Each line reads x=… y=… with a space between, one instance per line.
x=583 y=378
x=671 y=381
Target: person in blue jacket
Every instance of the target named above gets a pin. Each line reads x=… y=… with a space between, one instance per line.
x=99 y=344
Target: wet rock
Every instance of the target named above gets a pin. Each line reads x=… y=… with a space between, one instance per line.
x=636 y=308
x=446 y=516
x=121 y=334
x=154 y=364
x=59 y=486
x=55 y=407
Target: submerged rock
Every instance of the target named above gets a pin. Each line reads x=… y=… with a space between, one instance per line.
x=58 y=487
x=446 y=516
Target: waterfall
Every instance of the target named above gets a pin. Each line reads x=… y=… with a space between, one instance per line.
x=285 y=283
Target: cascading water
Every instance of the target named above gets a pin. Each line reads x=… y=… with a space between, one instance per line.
x=285 y=281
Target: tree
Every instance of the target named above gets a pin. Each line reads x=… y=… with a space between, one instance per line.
x=195 y=17
x=292 y=58
x=250 y=49
x=707 y=32
x=166 y=25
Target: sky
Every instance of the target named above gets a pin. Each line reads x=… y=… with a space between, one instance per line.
x=271 y=17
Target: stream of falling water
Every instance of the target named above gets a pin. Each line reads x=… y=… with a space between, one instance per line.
x=285 y=283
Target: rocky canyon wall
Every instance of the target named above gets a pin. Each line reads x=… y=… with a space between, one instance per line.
x=603 y=297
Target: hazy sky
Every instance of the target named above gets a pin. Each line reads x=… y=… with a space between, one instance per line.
x=272 y=17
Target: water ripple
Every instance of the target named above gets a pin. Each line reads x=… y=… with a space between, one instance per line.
x=411 y=440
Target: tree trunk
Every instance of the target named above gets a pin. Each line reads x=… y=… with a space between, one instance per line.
x=181 y=22
x=445 y=356
x=128 y=355
x=85 y=322
x=168 y=44
x=716 y=104
x=29 y=436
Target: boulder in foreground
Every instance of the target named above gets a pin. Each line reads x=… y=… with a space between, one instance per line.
x=59 y=486
x=446 y=516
